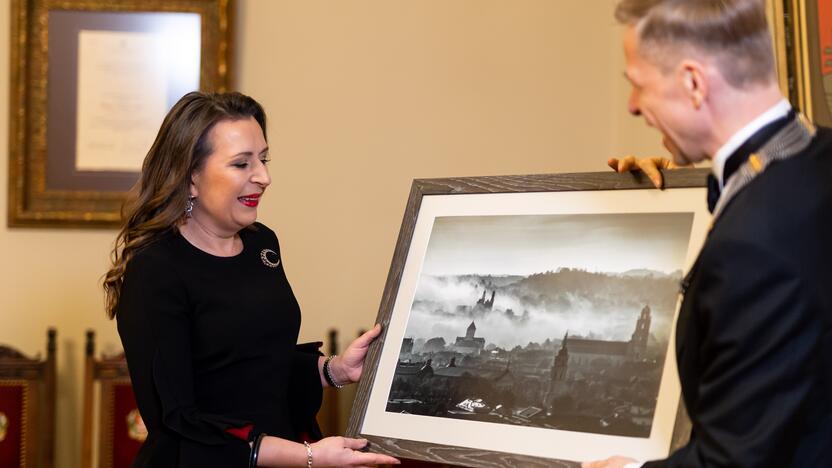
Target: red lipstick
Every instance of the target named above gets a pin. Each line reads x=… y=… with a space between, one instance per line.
x=251 y=200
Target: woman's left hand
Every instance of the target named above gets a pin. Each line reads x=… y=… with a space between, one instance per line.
x=347 y=367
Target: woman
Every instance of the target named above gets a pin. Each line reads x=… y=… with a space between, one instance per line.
x=206 y=316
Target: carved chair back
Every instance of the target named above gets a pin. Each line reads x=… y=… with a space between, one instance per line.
x=27 y=407
x=109 y=394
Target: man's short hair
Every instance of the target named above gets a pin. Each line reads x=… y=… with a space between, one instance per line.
x=733 y=32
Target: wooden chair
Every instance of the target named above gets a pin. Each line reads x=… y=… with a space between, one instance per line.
x=329 y=416
x=27 y=408
x=120 y=431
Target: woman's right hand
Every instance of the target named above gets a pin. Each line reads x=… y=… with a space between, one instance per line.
x=344 y=451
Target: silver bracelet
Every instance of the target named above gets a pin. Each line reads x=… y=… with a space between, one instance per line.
x=328 y=375
x=308 y=454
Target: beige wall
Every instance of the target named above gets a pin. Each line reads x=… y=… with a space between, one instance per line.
x=362 y=96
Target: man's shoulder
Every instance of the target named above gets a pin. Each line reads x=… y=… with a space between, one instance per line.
x=822 y=140
x=787 y=203
x=801 y=178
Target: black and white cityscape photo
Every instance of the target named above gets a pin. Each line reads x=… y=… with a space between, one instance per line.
x=552 y=321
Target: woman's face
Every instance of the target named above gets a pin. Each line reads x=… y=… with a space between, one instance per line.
x=233 y=177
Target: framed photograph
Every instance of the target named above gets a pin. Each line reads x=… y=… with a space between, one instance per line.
x=91 y=81
x=529 y=320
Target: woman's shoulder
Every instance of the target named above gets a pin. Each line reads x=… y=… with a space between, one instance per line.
x=158 y=256
x=261 y=228
x=262 y=233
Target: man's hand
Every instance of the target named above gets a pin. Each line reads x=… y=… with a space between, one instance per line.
x=612 y=462
x=650 y=166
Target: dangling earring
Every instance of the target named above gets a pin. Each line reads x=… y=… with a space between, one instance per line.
x=189 y=207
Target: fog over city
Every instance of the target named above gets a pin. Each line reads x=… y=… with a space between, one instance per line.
x=556 y=321
x=587 y=274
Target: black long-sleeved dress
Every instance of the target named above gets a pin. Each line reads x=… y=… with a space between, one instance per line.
x=211 y=345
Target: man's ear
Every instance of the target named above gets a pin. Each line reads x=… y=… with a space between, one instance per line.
x=691 y=74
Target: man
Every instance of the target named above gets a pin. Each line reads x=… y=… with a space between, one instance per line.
x=754 y=341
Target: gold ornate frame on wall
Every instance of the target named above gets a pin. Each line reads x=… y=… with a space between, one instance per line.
x=32 y=202
x=801 y=56
x=777 y=25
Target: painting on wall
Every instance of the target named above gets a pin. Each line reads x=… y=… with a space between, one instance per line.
x=802 y=32
x=91 y=81
x=813 y=56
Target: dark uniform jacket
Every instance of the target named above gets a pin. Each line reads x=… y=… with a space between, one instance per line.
x=754 y=342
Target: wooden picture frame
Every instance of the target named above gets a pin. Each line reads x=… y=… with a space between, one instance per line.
x=500 y=436
x=84 y=105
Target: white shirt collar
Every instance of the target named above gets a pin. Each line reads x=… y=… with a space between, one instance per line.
x=781 y=109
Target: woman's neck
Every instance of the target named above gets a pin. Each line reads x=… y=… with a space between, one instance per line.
x=208 y=240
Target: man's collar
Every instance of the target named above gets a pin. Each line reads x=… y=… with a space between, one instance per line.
x=779 y=110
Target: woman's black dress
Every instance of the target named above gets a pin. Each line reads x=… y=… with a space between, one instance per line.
x=211 y=345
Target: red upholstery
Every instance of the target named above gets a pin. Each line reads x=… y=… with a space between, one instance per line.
x=12 y=401
x=126 y=443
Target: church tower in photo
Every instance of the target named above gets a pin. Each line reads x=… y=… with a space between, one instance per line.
x=638 y=342
x=557 y=381
x=561 y=364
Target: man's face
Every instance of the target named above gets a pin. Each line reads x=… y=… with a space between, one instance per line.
x=664 y=102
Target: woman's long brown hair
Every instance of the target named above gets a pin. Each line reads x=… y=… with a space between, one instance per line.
x=156 y=204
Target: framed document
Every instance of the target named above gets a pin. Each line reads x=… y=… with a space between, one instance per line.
x=91 y=82
x=529 y=321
